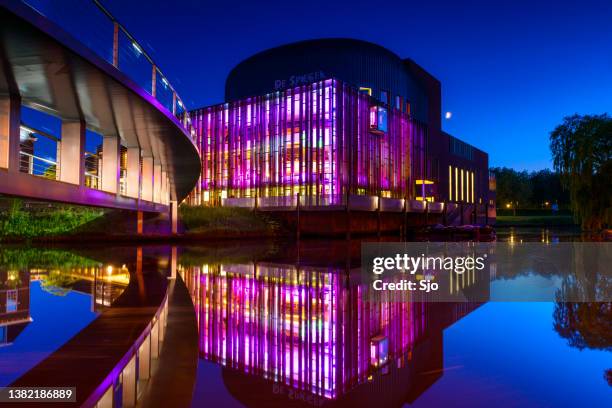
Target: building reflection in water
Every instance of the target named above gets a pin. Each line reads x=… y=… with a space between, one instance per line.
x=311 y=334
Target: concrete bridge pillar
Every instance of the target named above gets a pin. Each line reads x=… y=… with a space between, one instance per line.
x=133 y=172
x=164 y=187
x=110 y=164
x=174 y=216
x=10 y=117
x=147 y=179
x=157 y=182
x=72 y=153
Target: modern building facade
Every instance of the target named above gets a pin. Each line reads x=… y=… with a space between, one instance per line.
x=328 y=121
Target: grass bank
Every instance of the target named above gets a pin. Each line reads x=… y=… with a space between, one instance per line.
x=19 y=221
x=227 y=221
x=534 y=220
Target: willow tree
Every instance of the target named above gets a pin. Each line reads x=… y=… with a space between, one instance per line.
x=582 y=153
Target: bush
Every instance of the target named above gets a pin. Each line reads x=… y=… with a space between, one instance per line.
x=54 y=220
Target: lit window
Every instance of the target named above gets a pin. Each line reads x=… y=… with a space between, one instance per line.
x=456 y=184
x=11 y=301
x=450 y=183
x=378 y=119
x=384 y=97
x=472 y=174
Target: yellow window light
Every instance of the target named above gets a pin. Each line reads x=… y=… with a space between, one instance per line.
x=472 y=174
x=462 y=196
x=365 y=89
x=420 y=182
x=456 y=184
x=430 y=199
x=450 y=183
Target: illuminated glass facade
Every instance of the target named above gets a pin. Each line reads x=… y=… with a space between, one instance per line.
x=323 y=141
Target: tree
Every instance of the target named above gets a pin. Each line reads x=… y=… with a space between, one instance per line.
x=582 y=153
x=546 y=187
x=513 y=187
x=529 y=190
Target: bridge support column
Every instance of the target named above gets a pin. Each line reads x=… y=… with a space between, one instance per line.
x=157 y=182
x=174 y=216
x=147 y=179
x=110 y=164
x=10 y=117
x=164 y=188
x=139 y=222
x=72 y=151
x=133 y=172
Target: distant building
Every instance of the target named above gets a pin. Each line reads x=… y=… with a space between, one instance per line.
x=328 y=119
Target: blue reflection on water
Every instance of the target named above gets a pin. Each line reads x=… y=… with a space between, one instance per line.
x=507 y=354
x=55 y=320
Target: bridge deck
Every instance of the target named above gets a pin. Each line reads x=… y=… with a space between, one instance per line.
x=46 y=69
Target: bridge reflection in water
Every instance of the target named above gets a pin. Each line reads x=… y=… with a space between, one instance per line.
x=316 y=334
x=105 y=283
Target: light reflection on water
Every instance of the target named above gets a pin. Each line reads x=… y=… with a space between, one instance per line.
x=289 y=326
x=282 y=325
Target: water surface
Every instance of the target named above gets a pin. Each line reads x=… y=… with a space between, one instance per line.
x=287 y=326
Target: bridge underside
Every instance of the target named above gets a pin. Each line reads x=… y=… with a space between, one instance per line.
x=147 y=159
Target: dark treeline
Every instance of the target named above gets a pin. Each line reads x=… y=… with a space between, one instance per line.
x=523 y=189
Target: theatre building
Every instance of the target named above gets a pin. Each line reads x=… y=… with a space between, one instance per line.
x=336 y=123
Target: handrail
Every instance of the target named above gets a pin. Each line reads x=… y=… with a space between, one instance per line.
x=30 y=129
x=176 y=106
x=39 y=158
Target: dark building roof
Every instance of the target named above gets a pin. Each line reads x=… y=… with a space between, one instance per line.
x=357 y=62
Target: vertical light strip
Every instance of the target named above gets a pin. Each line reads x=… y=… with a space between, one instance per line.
x=462 y=185
x=467 y=186
x=468 y=191
x=450 y=183
x=456 y=184
x=472 y=187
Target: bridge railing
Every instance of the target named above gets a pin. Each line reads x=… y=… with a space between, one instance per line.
x=37 y=166
x=92 y=24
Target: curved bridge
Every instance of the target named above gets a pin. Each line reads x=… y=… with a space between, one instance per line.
x=146 y=158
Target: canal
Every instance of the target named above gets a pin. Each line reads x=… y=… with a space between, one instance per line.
x=285 y=324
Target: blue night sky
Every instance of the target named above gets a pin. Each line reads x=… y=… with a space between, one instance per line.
x=510 y=70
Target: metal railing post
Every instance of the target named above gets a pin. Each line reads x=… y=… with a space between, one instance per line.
x=116 y=44
x=154 y=81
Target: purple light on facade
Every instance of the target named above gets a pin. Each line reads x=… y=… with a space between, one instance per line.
x=322 y=140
